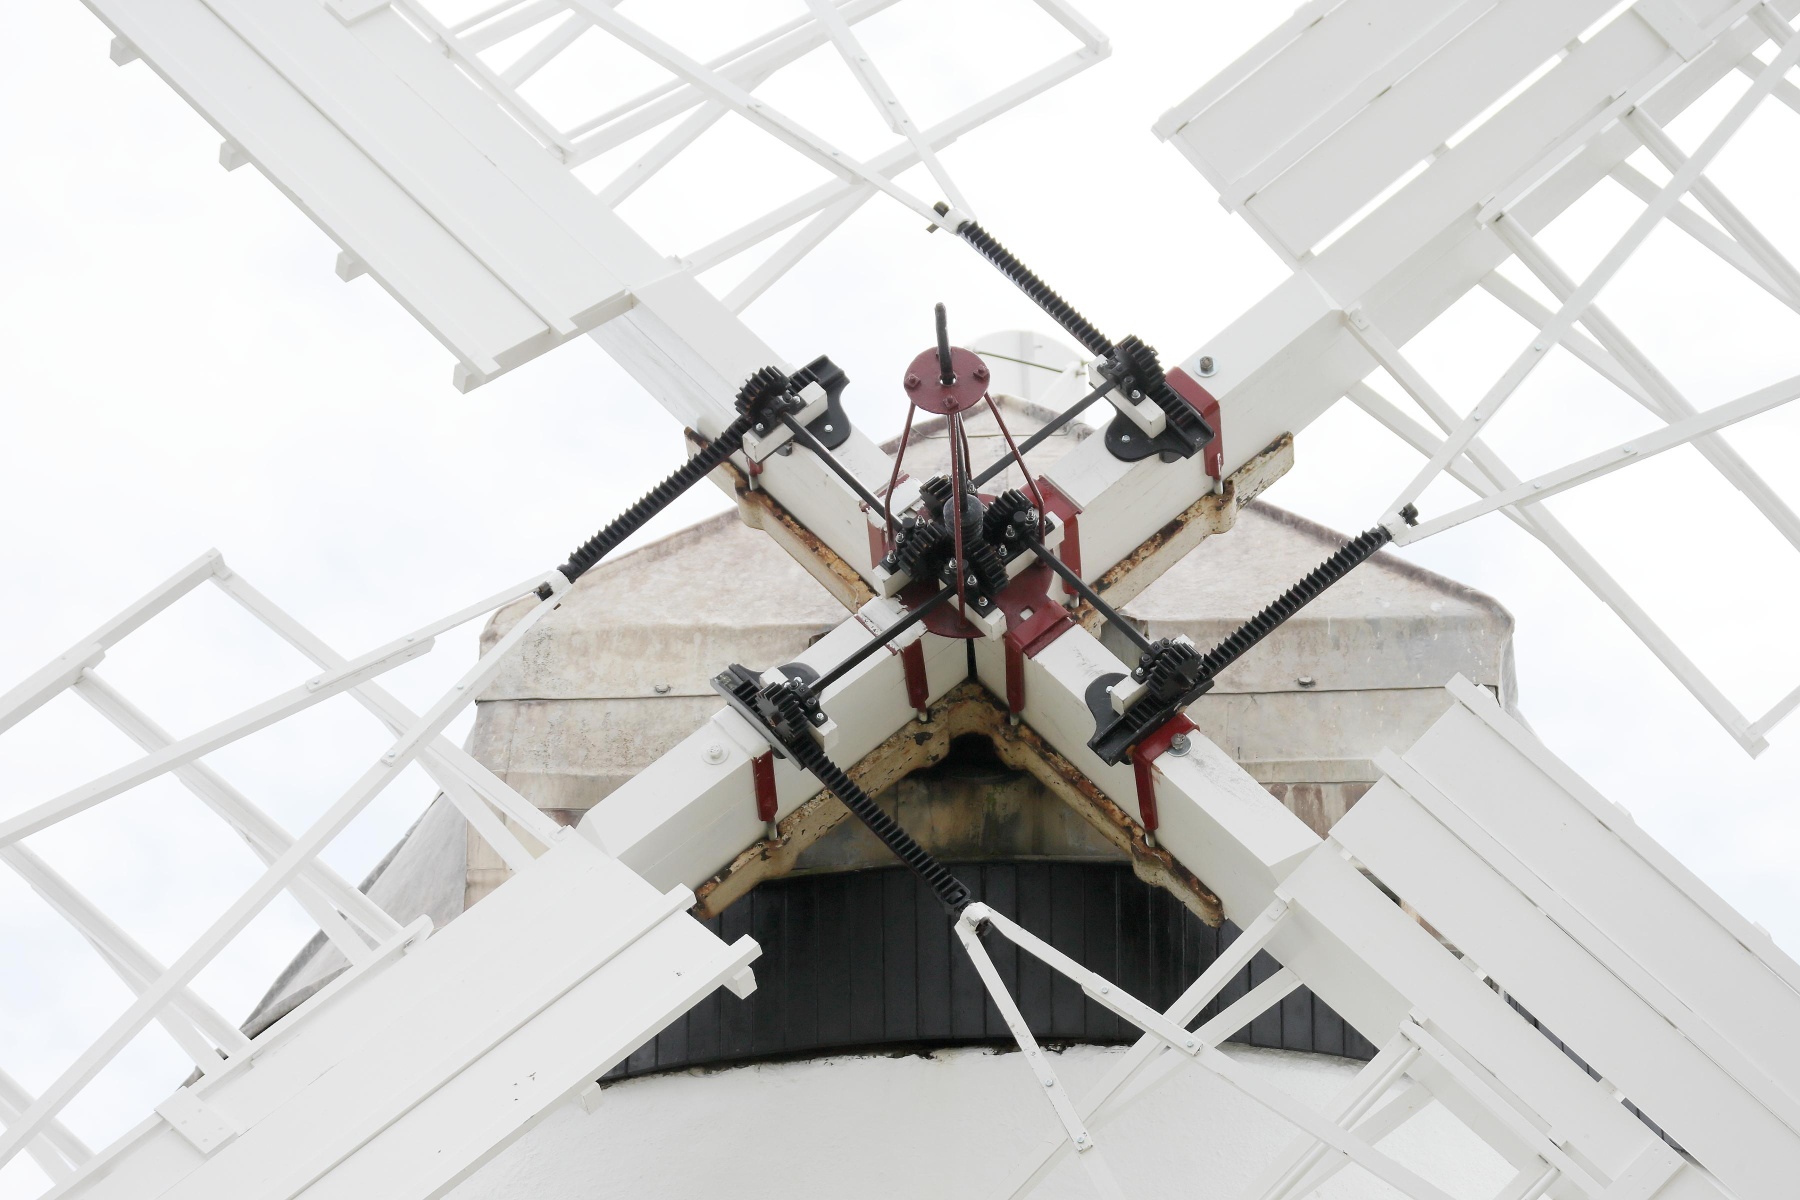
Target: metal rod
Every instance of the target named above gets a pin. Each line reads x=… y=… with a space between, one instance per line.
x=887 y=635
x=1037 y=497
x=1063 y=418
x=1087 y=593
x=946 y=369
x=958 y=465
x=887 y=497
x=805 y=437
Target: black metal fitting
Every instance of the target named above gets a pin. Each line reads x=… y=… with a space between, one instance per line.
x=1176 y=675
x=763 y=399
x=1137 y=373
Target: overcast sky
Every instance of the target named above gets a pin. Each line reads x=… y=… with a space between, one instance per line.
x=183 y=370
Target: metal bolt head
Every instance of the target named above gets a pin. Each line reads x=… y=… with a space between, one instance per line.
x=1179 y=745
x=981 y=373
x=1306 y=681
x=1136 y=395
x=1206 y=364
x=661 y=689
x=913 y=382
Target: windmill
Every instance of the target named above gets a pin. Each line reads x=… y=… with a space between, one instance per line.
x=440 y=179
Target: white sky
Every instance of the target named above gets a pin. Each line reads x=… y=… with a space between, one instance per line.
x=183 y=370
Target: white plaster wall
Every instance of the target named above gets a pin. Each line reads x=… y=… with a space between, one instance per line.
x=949 y=1125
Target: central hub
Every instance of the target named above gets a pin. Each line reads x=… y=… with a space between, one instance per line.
x=926 y=388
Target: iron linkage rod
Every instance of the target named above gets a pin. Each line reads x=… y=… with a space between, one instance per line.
x=805 y=437
x=818 y=686
x=1092 y=597
x=1056 y=423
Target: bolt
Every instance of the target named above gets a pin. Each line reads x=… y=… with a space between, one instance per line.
x=1179 y=745
x=1138 y=674
x=1124 y=437
x=715 y=754
x=1193 y=1043
x=981 y=373
x=1206 y=364
x=761 y=428
x=1306 y=681
x=661 y=689
x=912 y=383
x=1136 y=395
x=1049 y=1083
x=828 y=429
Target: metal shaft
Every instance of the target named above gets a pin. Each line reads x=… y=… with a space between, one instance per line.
x=881 y=639
x=1087 y=593
x=1037 y=439
x=805 y=437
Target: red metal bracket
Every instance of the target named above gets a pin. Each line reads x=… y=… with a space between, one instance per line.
x=912 y=662
x=1189 y=389
x=1065 y=511
x=762 y=772
x=1143 y=762
x=1015 y=677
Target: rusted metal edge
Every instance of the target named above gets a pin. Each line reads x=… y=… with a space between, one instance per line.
x=967 y=708
x=759 y=510
x=1212 y=513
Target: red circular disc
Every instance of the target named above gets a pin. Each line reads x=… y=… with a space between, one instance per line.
x=924 y=390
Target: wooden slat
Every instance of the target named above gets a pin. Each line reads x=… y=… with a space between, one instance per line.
x=1325 y=63
x=1492 y=156
x=1627 y=897
x=426 y=155
x=1420 y=112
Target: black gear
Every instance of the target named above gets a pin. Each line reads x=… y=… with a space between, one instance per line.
x=1010 y=519
x=1136 y=367
x=785 y=708
x=1170 y=670
x=766 y=392
x=988 y=568
x=935 y=492
x=920 y=547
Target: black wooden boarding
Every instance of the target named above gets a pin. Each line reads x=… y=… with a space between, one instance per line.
x=867 y=960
